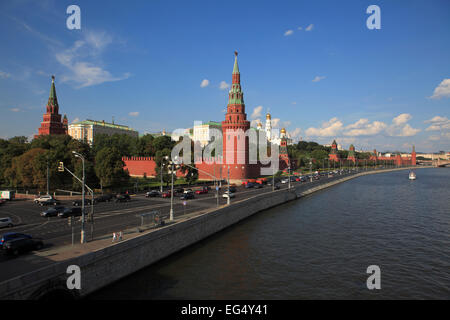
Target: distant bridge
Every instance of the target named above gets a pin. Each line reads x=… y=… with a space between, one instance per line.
x=441 y=163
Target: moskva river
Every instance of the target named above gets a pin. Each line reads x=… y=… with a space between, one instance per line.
x=319 y=247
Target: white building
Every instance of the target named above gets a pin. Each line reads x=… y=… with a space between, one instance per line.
x=88 y=129
x=202 y=132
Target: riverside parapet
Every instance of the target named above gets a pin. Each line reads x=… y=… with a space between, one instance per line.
x=104 y=266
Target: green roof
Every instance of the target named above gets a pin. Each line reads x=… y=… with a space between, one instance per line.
x=103 y=124
x=236 y=67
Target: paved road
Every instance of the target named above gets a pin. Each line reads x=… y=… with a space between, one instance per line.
x=111 y=217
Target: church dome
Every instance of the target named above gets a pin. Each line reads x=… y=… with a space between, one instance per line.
x=283 y=130
x=268 y=116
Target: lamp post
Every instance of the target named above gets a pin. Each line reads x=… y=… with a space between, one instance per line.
x=162 y=166
x=228 y=176
x=83 y=239
x=310 y=170
x=289 y=177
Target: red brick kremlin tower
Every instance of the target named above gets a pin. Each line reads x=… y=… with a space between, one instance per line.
x=351 y=153
x=284 y=156
x=235 y=155
x=334 y=155
x=52 y=123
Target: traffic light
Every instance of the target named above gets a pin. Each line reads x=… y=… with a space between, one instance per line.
x=61 y=166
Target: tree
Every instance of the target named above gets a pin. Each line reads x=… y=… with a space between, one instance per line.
x=109 y=168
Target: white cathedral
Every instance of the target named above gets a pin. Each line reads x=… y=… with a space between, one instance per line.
x=274 y=135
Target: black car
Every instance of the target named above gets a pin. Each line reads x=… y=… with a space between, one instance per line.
x=67 y=212
x=12 y=235
x=104 y=198
x=257 y=186
x=153 y=193
x=79 y=203
x=179 y=190
x=186 y=196
x=49 y=202
x=233 y=189
x=20 y=245
x=122 y=198
x=276 y=186
x=52 y=212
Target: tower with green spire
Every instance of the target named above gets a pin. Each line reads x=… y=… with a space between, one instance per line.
x=351 y=153
x=334 y=155
x=52 y=123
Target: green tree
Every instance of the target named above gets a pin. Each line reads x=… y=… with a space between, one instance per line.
x=109 y=168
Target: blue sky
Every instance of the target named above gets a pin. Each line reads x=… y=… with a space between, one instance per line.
x=314 y=64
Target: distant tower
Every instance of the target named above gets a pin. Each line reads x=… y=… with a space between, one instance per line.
x=334 y=156
x=268 y=126
x=284 y=156
x=351 y=153
x=413 y=156
x=51 y=123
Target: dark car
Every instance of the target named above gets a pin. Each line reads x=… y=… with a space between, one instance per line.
x=49 y=202
x=187 y=196
x=2 y=201
x=67 y=212
x=52 y=212
x=104 y=198
x=233 y=189
x=179 y=190
x=20 y=245
x=122 y=198
x=153 y=193
x=12 y=235
x=79 y=203
x=277 y=186
x=249 y=185
x=257 y=186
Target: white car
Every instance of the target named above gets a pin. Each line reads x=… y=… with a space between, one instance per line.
x=6 y=222
x=227 y=194
x=43 y=198
x=285 y=181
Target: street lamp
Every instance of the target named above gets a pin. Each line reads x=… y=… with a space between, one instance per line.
x=162 y=166
x=83 y=239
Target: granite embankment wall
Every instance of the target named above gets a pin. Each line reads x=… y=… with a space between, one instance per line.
x=109 y=264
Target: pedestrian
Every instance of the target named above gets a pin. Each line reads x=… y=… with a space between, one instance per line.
x=120 y=236
x=114 y=237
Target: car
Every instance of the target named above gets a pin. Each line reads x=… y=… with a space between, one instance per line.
x=187 y=196
x=153 y=193
x=258 y=186
x=52 y=212
x=12 y=235
x=276 y=186
x=202 y=191
x=249 y=185
x=284 y=181
x=188 y=191
x=227 y=194
x=233 y=189
x=43 y=198
x=6 y=222
x=70 y=212
x=179 y=190
x=166 y=194
x=79 y=202
x=48 y=202
x=21 y=245
x=104 y=198
x=122 y=198
x=2 y=201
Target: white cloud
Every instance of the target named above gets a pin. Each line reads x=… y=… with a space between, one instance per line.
x=4 y=75
x=76 y=120
x=295 y=134
x=223 y=85
x=294 y=102
x=205 y=83
x=400 y=127
x=309 y=28
x=299 y=28
x=288 y=32
x=362 y=127
x=256 y=112
x=401 y=119
x=286 y=124
x=134 y=114
x=438 y=123
x=442 y=90
x=15 y=109
x=82 y=61
x=318 y=78
x=329 y=129
x=275 y=122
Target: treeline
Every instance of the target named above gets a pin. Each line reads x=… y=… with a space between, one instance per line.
x=305 y=151
x=23 y=164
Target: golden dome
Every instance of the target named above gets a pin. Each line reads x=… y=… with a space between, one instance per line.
x=259 y=124
x=283 y=130
x=268 y=116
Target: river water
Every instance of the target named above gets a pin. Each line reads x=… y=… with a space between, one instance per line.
x=319 y=247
